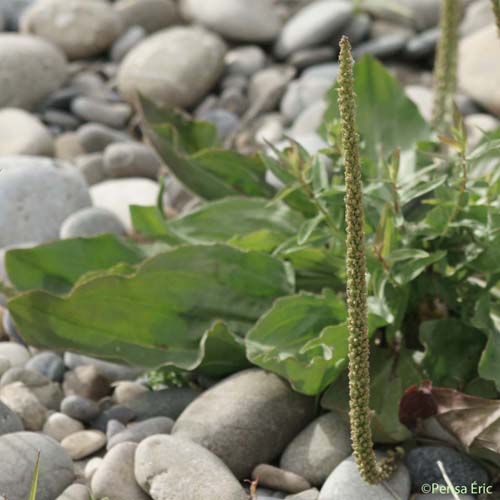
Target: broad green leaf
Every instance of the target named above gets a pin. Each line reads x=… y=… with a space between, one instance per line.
x=387 y=118
x=150 y=223
x=416 y=190
x=163 y=314
x=391 y=375
x=221 y=352
x=188 y=148
x=224 y=220
x=57 y=266
x=316 y=268
x=263 y=240
x=405 y=271
x=452 y=351
x=302 y=338
x=488 y=259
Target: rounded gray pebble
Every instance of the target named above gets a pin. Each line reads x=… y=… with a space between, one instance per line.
x=94 y=137
x=135 y=433
x=115 y=115
x=126 y=42
x=49 y=364
x=80 y=408
x=91 y=221
x=131 y=160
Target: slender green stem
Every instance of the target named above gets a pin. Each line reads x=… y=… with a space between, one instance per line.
x=445 y=70
x=359 y=346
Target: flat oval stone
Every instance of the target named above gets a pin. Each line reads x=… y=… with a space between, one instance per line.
x=25 y=59
x=81 y=444
x=173 y=67
x=171 y=468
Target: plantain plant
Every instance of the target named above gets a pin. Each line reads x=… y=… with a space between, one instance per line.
x=257 y=274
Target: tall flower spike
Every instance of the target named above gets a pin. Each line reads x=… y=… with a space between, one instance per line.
x=496 y=10
x=359 y=346
x=445 y=69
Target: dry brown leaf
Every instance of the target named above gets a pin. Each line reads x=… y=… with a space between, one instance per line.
x=470 y=422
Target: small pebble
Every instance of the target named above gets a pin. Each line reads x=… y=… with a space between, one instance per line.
x=86 y=381
x=25 y=404
x=94 y=137
x=113 y=427
x=126 y=42
x=91 y=167
x=312 y=494
x=49 y=364
x=61 y=119
x=131 y=160
x=115 y=115
x=76 y=491
x=279 y=479
x=115 y=476
x=81 y=444
x=80 y=408
x=17 y=354
x=126 y=390
x=135 y=433
x=67 y=146
x=59 y=426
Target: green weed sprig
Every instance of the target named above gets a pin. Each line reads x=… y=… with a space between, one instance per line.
x=359 y=346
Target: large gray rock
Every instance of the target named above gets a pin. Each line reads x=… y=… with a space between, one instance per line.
x=173 y=67
x=25 y=60
x=23 y=134
x=255 y=21
x=115 y=476
x=171 y=468
x=18 y=454
x=318 y=449
x=345 y=482
x=318 y=22
x=246 y=420
x=152 y=15
x=81 y=28
x=479 y=76
x=9 y=421
x=36 y=196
